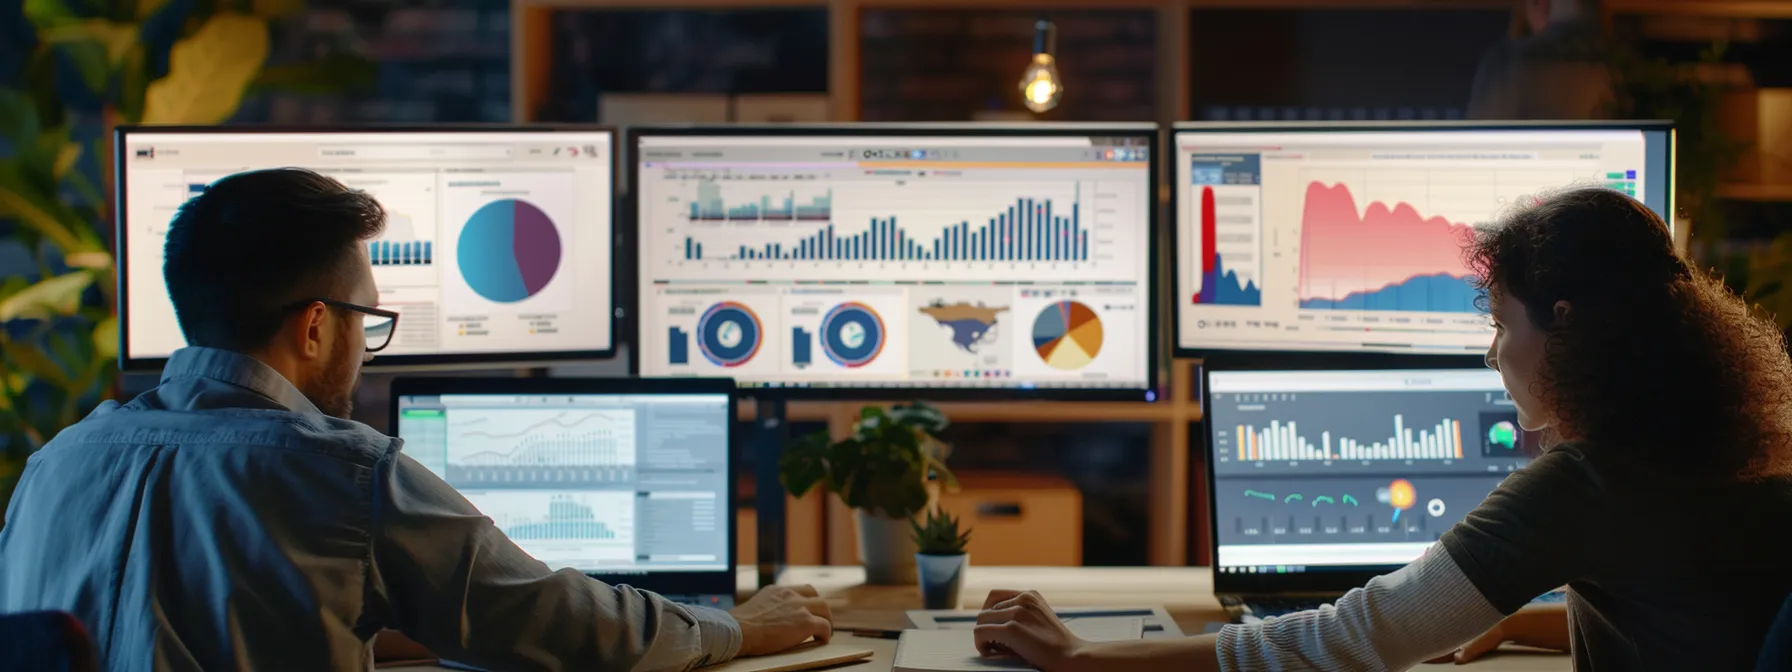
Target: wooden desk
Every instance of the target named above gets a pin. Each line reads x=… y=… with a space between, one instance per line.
x=1187 y=592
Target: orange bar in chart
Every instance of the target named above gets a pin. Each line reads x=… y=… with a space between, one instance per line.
x=1239 y=436
x=1458 y=427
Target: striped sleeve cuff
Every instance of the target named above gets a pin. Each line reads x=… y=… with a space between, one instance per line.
x=720 y=635
x=1399 y=620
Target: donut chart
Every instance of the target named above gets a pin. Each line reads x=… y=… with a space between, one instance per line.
x=508 y=251
x=852 y=334
x=729 y=334
x=1067 y=335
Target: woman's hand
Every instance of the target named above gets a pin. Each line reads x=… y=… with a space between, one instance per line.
x=1479 y=646
x=1021 y=624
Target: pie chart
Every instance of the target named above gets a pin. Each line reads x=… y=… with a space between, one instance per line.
x=852 y=334
x=728 y=334
x=508 y=251
x=1067 y=335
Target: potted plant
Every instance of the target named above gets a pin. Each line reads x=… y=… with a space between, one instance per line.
x=940 y=559
x=889 y=469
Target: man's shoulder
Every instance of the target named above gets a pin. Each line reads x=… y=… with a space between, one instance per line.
x=143 y=422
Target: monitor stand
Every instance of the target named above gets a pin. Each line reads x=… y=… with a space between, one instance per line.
x=771 y=430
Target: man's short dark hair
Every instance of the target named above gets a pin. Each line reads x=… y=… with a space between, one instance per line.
x=253 y=243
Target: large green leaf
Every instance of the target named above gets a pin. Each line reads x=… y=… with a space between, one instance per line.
x=105 y=338
x=32 y=360
x=208 y=72
x=46 y=13
x=133 y=83
x=50 y=297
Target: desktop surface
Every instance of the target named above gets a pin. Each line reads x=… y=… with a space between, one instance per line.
x=497 y=243
x=833 y=260
x=1349 y=238
x=1347 y=474
x=628 y=487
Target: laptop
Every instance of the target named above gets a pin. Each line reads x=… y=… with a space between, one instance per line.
x=626 y=480
x=1320 y=479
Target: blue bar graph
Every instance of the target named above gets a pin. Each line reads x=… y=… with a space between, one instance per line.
x=401 y=252
x=800 y=342
x=1029 y=230
x=709 y=207
x=678 y=346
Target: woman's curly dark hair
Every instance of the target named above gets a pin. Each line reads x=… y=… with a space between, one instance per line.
x=1654 y=358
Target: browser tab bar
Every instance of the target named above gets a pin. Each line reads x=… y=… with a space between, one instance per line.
x=415 y=152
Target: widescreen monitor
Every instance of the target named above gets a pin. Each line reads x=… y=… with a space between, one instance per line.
x=1349 y=237
x=629 y=480
x=872 y=260
x=1338 y=475
x=497 y=246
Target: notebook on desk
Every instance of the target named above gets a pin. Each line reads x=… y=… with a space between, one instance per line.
x=955 y=650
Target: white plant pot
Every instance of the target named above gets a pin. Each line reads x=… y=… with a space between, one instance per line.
x=887 y=548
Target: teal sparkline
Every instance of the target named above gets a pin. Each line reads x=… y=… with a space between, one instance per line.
x=1260 y=495
x=1350 y=500
x=1292 y=497
x=1323 y=498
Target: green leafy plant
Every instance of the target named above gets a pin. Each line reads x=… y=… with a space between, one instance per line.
x=940 y=535
x=885 y=466
x=69 y=73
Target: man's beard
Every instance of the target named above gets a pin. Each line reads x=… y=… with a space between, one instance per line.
x=333 y=390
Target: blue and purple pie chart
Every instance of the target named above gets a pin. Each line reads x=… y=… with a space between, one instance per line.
x=508 y=251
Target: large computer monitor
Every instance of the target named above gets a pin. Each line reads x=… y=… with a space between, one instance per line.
x=628 y=480
x=1349 y=237
x=497 y=246
x=1335 y=476
x=870 y=260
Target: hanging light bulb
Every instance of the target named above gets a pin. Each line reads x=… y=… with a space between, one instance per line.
x=1040 y=87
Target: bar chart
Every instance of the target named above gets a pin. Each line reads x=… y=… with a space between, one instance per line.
x=1029 y=230
x=1283 y=442
x=710 y=207
x=401 y=252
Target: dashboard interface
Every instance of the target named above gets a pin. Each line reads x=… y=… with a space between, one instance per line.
x=496 y=243
x=598 y=483
x=1351 y=470
x=1333 y=240
x=948 y=261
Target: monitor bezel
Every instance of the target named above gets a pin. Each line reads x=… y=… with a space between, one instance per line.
x=709 y=582
x=1176 y=173
x=1151 y=132
x=1322 y=582
x=394 y=363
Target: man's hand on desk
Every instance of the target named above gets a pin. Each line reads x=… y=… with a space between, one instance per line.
x=780 y=617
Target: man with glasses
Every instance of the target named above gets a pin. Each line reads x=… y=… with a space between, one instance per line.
x=234 y=518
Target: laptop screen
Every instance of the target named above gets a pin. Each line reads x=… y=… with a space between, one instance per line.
x=1351 y=471
x=601 y=483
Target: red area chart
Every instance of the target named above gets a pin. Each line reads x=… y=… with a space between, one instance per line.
x=1380 y=257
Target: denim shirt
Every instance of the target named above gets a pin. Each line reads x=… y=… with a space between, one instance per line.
x=220 y=521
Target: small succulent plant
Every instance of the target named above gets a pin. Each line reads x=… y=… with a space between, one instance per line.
x=940 y=535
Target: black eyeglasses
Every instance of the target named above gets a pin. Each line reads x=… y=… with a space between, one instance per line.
x=377 y=326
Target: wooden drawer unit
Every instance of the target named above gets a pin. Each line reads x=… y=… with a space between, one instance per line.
x=1019 y=519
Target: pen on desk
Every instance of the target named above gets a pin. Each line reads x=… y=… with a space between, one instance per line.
x=873 y=632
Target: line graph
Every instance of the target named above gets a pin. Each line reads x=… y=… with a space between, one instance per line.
x=529 y=447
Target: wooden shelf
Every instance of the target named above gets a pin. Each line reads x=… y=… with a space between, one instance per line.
x=1776 y=193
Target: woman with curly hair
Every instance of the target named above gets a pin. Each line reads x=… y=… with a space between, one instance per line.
x=1662 y=498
